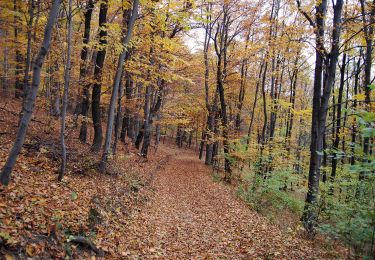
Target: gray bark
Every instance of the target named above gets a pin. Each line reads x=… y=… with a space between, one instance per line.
x=28 y=106
x=116 y=84
x=65 y=94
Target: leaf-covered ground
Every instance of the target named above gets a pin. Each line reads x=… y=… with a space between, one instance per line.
x=38 y=214
x=166 y=207
x=192 y=217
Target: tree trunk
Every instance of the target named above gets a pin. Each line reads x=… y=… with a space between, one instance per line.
x=264 y=128
x=249 y=131
x=354 y=125
x=28 y=49
x=28 y=106
x=241 y=95
x=209 y=134
x=83 y=72
x=157 y=131
x=55 y=91
x=115 y=90
x=224 y=119
x=154 y=110
x=292 y=100
x=146 y=124
x=66 y=90
x=338 y=119
x=320 y=107
x=5 y=67
x=96 y=91
x=118 y=121
x=201 y=146
x=127 y=127
x=19 y=58
x=369 y=35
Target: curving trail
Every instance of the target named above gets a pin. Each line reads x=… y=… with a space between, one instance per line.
x=191 y=217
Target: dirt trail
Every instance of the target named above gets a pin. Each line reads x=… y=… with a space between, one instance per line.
x=189 y=216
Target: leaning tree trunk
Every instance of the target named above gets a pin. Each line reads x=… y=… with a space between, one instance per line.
x=65 y=94
x=28 y=106
x=120 y=65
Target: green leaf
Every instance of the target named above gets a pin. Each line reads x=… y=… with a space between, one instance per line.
x=74 y=195
x=368 y=132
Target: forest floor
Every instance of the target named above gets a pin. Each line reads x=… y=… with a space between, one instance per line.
x=166 y=207
x=192 y=217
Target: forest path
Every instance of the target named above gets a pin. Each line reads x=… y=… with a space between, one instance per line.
x=189 y=216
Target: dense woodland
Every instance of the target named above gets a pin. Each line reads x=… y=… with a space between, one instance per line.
x=276 y=96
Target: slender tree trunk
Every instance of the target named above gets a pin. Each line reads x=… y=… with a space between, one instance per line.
x=346 y=109
x=292 y=100
x=157 y=130
x=84 y=71
x=55 y=91
x=207 y=133
x=211 y=123
x=19 y=58
x=126 y=124
x=241 y=95
x=66 y=91
x=28 y=106
x=354 y=125
x=201 y=145
x=338 y=119
x=369 y=35
x=28 y=49
x=250 y=129
x=5 y=67
x=115 y=90
x=98 y=71
x=118 y=120
x=146 y=124
x=264 y=138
